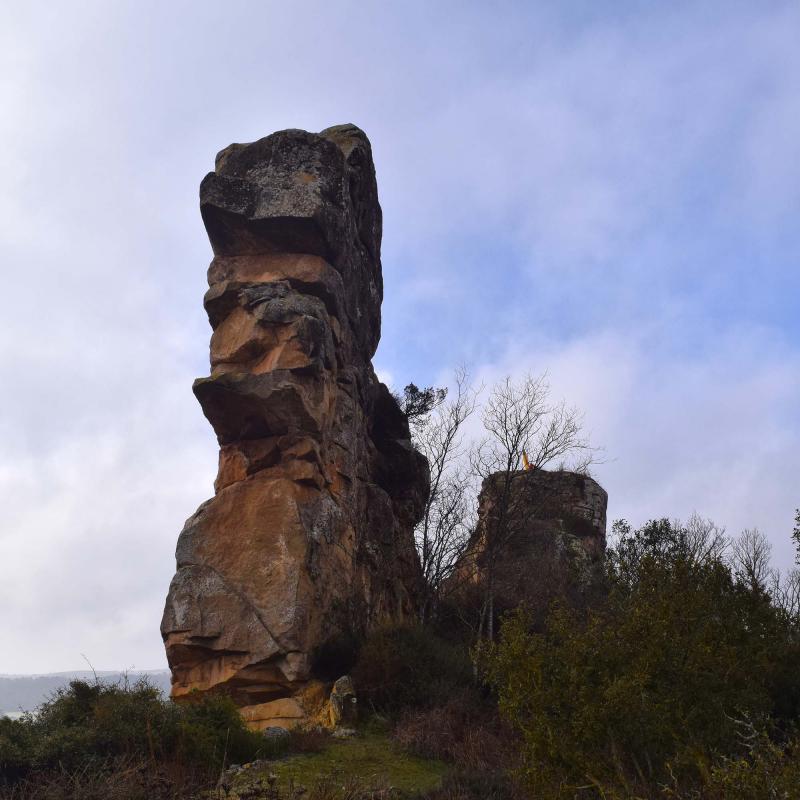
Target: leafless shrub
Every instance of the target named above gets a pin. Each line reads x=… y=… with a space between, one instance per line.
x=463 y=732
x=118 y=779
x=478 y=786
x=750 y=559
x=308 y=740
x=785 y=592
x=443 y=533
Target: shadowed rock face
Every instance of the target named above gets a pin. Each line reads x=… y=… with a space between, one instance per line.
x=552 y=530
x=310 y=530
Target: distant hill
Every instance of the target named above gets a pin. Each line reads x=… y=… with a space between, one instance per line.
x=27 y=692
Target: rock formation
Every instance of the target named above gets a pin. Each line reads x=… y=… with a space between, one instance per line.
x=343 y=703
x=310 y=530
x=540 y=534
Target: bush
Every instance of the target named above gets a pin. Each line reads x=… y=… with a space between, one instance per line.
x=466 y=731
x=409 y=667
x=477 y=786
x=767 y=771
x=645 y=690
x=17 y=742
x=116 y=779
x=87 y=726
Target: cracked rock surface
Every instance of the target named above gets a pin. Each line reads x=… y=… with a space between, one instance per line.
x=310 y=532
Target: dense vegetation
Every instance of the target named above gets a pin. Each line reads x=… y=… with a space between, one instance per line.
x=92 y=732
x=683 y=681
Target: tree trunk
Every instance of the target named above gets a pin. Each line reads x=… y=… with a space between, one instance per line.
x=490 y=619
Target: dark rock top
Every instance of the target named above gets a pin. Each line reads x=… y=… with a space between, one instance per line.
x=299 y=192
x=541 y=535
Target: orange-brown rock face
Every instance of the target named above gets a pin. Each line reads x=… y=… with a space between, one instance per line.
x=310 y=530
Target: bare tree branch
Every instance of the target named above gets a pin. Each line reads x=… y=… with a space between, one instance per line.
x=444 y=531
x=750 y=559
x=517 y=417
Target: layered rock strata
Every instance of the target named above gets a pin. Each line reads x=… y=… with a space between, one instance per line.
x=310 y=532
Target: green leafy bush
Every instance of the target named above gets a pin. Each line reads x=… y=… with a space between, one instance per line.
x=86 y=725
x=17 y=742
x=768 y=771
x=645 y=689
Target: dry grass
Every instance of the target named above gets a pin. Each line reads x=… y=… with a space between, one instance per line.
x=308 y=740
x=464 y=732
x=117 y=779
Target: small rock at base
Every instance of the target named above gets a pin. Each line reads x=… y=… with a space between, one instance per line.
x=274 y=733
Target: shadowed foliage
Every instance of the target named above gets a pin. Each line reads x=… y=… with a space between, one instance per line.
x=89 y=731
x=652 y=686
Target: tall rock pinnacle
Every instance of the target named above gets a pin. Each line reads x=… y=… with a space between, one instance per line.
x=310 y=532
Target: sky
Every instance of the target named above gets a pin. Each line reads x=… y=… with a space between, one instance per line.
x=608 y=192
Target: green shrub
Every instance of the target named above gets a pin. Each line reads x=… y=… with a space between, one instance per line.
x=17 y=742
x=645 y=688
x=210 y=731
x=768 y=771
x=91 y=721
x=86 y=725
x=409 y=667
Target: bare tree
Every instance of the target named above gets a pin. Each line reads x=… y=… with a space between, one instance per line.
x=796 y=535
x=785 y=593
x=786 y=589
x=519 y=417
x=750 y=559
x=444 y=531
x=704 y=540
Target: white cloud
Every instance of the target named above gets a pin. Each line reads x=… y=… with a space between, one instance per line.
x=715 y=432
x=88 y=536
x=558 y=190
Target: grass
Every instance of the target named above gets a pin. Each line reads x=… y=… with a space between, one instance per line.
x=370 y=760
